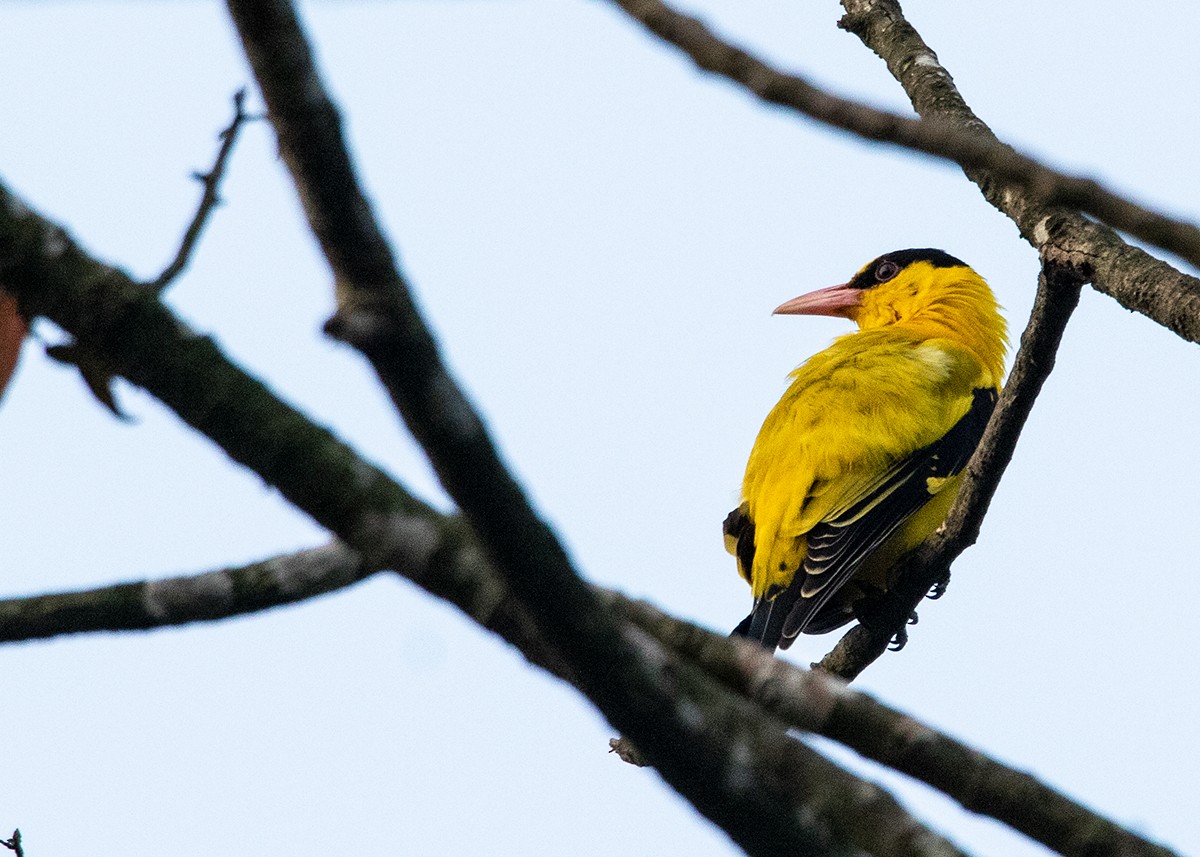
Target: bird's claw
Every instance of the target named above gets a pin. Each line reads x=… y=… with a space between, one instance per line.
x=899 y=640
x=939 y=587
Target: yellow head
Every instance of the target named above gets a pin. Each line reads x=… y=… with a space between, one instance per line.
x=925 y=290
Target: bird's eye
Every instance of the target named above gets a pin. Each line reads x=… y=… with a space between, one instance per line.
x=885 y=270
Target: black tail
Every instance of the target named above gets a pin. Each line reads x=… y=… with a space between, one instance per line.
x=765 y=622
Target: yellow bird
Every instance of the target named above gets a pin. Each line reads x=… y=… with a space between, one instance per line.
x=861 y=459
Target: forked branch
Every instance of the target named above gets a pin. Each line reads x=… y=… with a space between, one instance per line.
x=1040 y=200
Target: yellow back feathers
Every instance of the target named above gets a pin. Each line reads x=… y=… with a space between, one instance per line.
x=859 y=461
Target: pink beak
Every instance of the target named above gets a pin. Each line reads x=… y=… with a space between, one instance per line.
x=841 y=301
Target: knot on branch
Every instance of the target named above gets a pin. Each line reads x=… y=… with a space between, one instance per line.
x=362 y=320
x=1064 y=260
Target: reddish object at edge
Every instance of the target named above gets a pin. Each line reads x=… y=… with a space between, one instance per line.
x=12 y=333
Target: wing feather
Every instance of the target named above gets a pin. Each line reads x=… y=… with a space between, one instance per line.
x=836 y=548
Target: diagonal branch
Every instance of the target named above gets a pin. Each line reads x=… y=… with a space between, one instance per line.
x=814 y=702
x=1057 y=297
x=1018 y=185
x=376 y=314
x=104 y=309
x=209 y=198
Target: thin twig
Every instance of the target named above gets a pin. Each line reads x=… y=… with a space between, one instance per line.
x=14 y=844
x=813 y=701
x=1057 y=297
x=1019 y=185
x=209 y=198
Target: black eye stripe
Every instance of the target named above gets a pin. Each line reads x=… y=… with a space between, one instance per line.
x=871 y=275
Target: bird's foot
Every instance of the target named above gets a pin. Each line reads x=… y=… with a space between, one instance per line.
x=877 y=614
x=939 y=587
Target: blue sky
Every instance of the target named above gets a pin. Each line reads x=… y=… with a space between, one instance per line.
x=598 y=233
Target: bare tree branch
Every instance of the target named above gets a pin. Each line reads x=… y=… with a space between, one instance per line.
x=969 y=143
x=872 y=820
x=377 y=315
x=459 y=575
x=1018 y=185
x=801 y=699
x=1057 y=297
x=717 y=749
x=106 y=310
x=1134 y=278
x=209 y=198
x=380 y=522
x=808 y=700
x=816 y=702
x=172 y=601
x=731 y=760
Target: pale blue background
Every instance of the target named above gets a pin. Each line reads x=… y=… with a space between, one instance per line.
x=598 y=233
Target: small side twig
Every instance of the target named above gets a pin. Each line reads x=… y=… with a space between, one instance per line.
x=1057 y=296
x=209 y=199
x=14 y=844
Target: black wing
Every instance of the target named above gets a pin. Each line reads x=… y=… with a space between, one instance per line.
x=837 y=548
